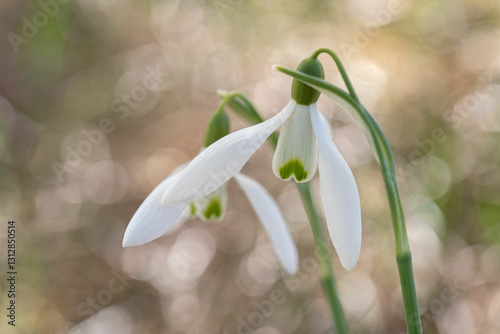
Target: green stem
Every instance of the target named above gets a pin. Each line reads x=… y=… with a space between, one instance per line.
x=245 y=109
x=384 y=156
x=323 y=254
x=327 y=277
x=403 y=257
x=341 y=68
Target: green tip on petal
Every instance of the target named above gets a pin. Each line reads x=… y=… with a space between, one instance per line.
x=192 y=209
x=295 y=167
x=213 y=210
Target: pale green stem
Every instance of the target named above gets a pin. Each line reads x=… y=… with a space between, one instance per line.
x=323 y=255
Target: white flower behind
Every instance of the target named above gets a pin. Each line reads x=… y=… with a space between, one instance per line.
x=152 y=220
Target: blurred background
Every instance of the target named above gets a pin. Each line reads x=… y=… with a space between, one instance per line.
x=102 y=99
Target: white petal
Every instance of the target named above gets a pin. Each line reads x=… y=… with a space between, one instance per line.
x=218 y=163
x=339 y=196
x=271 y=218
x=326 y=124
x=152 y=219
x=213 y=206
x=296 y=155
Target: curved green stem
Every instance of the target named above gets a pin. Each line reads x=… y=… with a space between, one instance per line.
x=341 y=68
x=384 y=157
x=241 y=105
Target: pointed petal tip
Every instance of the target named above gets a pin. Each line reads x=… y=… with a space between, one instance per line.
x=272 y=220
x=290 y=260
x=275 y=67
x=348 y=253
x=292 y=269
x=127 y=242
x=132 y=239
x=350 y=264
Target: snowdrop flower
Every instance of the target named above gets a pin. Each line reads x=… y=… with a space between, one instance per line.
x=152 y=220
x=296 y=157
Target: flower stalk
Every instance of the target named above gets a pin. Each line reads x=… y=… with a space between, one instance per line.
x=327 y=276
x=383 y=153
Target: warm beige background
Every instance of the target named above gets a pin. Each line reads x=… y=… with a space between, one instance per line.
x=425 y=69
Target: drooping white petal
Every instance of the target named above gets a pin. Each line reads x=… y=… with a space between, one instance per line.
x=271 y=218
x=219 y=162
x=152 y=220
x=213 y=206
x=296 y=155
x=339 y=196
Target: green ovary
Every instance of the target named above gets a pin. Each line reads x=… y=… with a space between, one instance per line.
x=293 y=166
x=213 y=210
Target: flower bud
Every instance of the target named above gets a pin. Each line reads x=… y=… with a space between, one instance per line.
x=218 y=127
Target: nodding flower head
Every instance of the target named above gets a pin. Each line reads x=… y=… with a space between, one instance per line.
x=304 y=145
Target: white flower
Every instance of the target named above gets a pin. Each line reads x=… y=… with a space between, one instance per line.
x=296 y=157
x=152 y=220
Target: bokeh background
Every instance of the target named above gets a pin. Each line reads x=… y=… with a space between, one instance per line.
x=102 y=99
